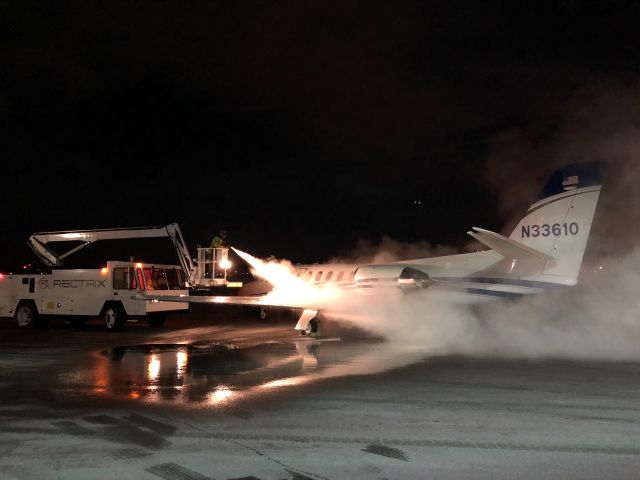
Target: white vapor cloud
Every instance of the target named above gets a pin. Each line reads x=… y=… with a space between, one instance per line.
x=599 y=318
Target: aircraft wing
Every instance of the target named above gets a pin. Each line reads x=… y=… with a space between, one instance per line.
x=304 y=322
x=215 y=299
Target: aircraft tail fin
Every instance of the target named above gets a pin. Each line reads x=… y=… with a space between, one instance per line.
x=558 y=224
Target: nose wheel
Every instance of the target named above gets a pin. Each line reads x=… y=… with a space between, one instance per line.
x=312 y=327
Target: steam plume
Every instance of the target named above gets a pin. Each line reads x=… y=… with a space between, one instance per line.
x=598 y=319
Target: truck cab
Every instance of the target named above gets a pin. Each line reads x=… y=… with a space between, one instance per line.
x=128 y=281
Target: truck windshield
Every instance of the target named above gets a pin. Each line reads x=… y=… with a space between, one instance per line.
x=158 y=278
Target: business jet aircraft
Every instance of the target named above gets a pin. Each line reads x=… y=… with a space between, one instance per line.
x=544 y=252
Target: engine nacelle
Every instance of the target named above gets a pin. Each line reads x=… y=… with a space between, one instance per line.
x=378 y=276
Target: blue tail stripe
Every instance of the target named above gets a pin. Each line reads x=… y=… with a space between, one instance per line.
x=579 y=175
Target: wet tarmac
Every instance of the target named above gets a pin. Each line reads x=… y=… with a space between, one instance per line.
x=223 y=396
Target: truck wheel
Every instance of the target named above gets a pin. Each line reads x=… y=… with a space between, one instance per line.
x=312 y=327
x=26 y=315
x=114 y=318
x=157 y=319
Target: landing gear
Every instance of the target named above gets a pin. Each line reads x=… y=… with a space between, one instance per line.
x=308 y=323
x=312 y=327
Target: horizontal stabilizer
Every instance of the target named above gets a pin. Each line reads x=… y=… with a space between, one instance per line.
x=507 y=247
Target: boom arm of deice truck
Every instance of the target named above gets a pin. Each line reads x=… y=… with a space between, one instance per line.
x=39 y=242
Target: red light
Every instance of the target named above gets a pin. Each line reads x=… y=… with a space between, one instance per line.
x=140 y=279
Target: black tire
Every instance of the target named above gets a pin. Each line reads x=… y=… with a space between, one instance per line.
x=26 y=315
x=157 y=319
x=114 y=317
x=311 y=327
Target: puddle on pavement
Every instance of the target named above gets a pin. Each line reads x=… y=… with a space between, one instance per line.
x=215 y=374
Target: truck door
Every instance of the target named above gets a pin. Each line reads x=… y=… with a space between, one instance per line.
x=125 y=289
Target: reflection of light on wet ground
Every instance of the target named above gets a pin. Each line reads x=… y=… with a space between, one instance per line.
x=213 y=374
x=100 y=379
x=153 y=371
x=220 y=395
x=181 y=363
x=283 y=382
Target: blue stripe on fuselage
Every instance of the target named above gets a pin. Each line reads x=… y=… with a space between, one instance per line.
x=514 y=282
x=494 y=293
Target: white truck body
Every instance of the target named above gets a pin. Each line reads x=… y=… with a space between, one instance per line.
x=87 y=292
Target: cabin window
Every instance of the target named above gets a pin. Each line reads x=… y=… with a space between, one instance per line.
x=352 y=275
x=340 y=275
x=318 y=276
x=329 y=275
x=124 y=278
x=308 y=276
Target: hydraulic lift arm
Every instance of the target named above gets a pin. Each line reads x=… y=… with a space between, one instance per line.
x=39 y=243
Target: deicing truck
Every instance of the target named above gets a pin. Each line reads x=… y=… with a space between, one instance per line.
x=117 y=292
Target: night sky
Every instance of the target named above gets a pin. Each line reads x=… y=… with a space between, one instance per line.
x=298 y=127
